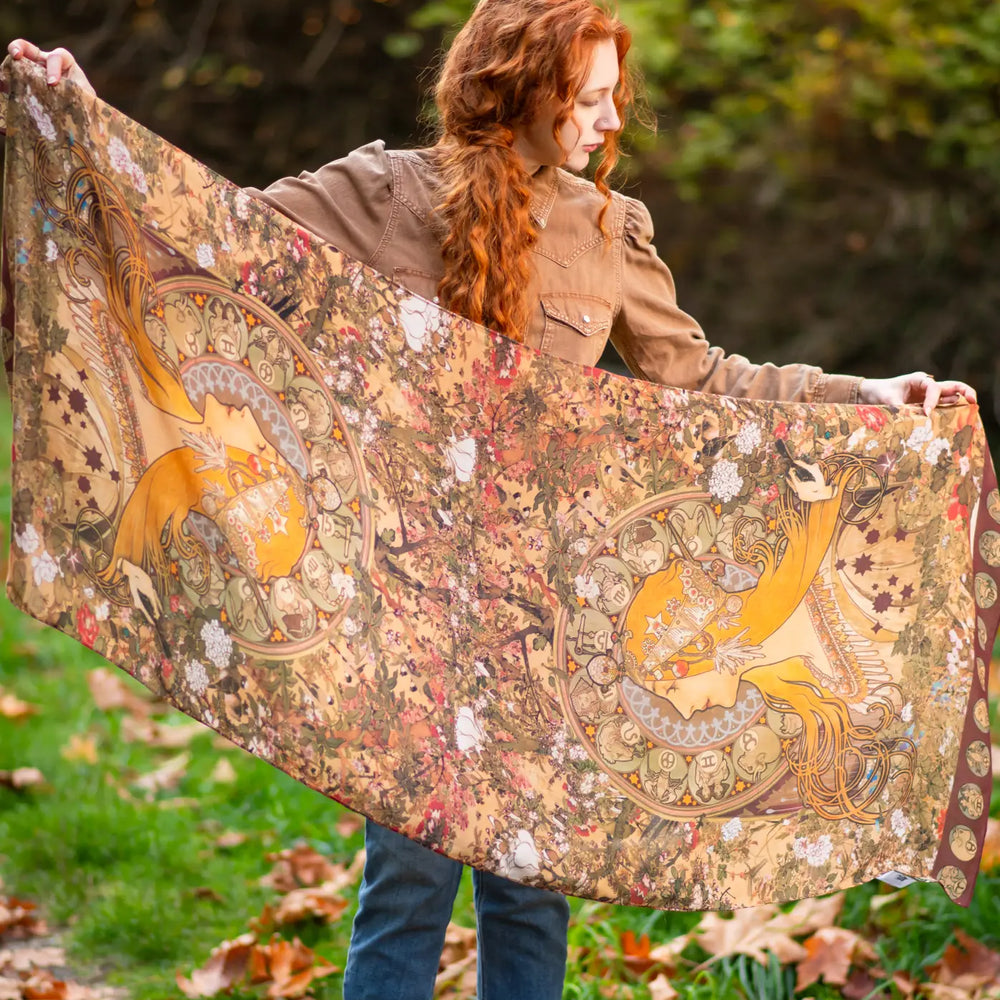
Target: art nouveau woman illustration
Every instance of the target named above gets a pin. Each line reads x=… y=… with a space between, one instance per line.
x=693 y=643
x=241 y=493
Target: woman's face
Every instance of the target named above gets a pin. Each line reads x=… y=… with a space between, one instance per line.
x=707 y=689
x=593 y=115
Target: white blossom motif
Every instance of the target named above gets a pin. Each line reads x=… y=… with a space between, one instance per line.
x=44 y=568
x=748 y=438
x=899 y=823
x=586 y=587
x=469 y=733
x=461 y=458
x=51 y=250
x=197 y=676
x=814 y=852
x=122 y=162
x=934 y=450
x=418 y=326
x=732 y=829
x=218 y=643
x=205 y=255
x=27 y=540
x=40 y=117
x=523 y=860
x=344 y=584
x=241 y=205
x=725 y=481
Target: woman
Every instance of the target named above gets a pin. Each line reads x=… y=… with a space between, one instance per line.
x=492 y=221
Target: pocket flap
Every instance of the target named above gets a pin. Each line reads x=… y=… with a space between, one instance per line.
x=587 y=314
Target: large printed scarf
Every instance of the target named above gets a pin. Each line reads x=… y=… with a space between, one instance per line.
x=615 y=639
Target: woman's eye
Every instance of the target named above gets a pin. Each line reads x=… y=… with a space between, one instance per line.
x=587 y=104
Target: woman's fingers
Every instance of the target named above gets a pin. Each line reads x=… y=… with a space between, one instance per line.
x=58 y=62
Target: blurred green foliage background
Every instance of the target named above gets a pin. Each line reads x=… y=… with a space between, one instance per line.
x=825 y=175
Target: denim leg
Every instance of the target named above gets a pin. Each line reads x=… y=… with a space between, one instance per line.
x=404 y=906
x=521 y=940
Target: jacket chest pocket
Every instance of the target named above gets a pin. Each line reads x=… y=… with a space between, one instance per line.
x=576 y=326
x=418 y=281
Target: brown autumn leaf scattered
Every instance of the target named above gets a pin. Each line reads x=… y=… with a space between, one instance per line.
x=230 y=839
x=349 y=824
x=809 y=915
x=82 y=748
x=660 y=989
x=832 y=952
x=12 y=707
x=307 y=903
x=299 y=866
x=18 y=920
x=457 y=969
x=747 y=932
x=22 y=778
x=969 y=965
x=160 y=735
x=163 y=778
x=635 y=953
x=288 y=967
x=109 y=690
x=226 y=966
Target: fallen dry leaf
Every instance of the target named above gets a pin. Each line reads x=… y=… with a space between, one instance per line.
x=18 y=920
x=223 y=773
x=230 y=839
x=80 y=748
x=310 y=903
x=635 y=952
x=12 y=707
x=225 y=967
x=349 y=824
x=457 y=969
x=660 y=989
x=809 y=915
x=24 y=958
x=142 y=729
x=22 y=778
x=832 y=952
x=301 y=866
x=167 y=776
x=289 y=966
x=109 y=690
x=968 y=965
x=747 y=933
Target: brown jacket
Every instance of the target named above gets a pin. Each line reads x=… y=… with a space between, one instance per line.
x=377 y=206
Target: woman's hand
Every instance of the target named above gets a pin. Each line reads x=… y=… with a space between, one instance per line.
x=917 y=388
x=59 y=64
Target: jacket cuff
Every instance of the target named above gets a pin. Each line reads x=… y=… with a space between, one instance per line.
x=837 y=389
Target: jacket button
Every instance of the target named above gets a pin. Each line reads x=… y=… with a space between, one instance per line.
x=586 y=318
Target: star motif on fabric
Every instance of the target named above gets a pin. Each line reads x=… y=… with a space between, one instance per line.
x=77 y=401
x=883 y=602
x=279 y=522
x=55 y=393
x=841 y=563
x=893 y=580
x=82 y=374
x=653 y=625
x=907 y=592
x=872 y=537
x=900 y=535
x=93 y=459
x=83 y=484
x=863 y=564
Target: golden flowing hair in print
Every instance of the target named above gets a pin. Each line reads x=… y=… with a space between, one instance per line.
x=843 y=765
x=108 y=249
x=506 y=67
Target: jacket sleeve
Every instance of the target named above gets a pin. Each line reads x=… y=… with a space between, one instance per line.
x=347 y=203
x=661 y=343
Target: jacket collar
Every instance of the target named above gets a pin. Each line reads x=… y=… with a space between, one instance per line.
x=544 y=185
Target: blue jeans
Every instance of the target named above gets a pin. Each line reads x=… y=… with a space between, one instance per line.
x=404 y=906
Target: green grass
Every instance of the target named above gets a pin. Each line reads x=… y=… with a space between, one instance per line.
x=139 y=890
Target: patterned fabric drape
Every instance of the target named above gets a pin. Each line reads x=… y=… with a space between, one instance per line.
x=619 y=640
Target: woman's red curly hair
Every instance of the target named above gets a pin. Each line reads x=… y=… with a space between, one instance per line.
x=512 y=60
